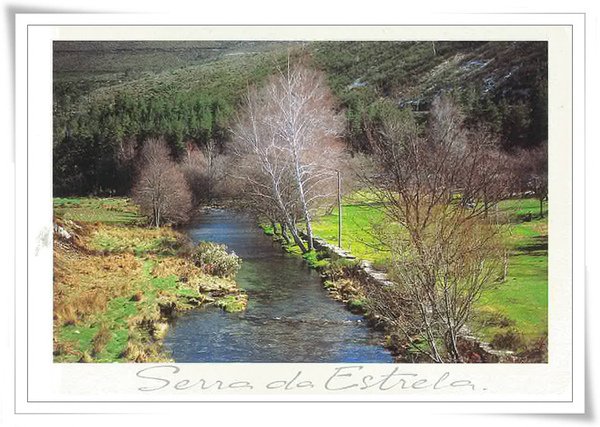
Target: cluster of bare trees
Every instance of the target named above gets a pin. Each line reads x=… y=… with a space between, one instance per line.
x=531 y=173
x=438 y=186
x=167 y=190
x=204 y=170
x=286 y=149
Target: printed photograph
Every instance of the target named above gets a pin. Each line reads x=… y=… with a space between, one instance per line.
x=295 y=201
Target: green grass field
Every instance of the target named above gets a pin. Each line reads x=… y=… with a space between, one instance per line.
x=516 y=308
x=110 y=210
x=519 y=305
x=361 y=215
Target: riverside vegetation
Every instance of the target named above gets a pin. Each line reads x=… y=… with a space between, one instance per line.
x=441 y=146
x=511 y=316
x=117 y=284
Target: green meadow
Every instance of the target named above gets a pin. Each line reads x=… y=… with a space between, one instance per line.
x=512 y=314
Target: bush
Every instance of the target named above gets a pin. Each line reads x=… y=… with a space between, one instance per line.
x=214 y=259
x=509 y=340
x=357 y=305
x=316 y=259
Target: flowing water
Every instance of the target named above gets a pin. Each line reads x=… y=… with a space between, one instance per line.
x=290 y=317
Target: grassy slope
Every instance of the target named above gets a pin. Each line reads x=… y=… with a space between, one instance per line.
x=110 y=286
x=80 y=68
x=107 y=210
x=520 y=304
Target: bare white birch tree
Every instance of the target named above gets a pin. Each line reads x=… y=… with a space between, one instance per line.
x=307 y=126
x=289 y=128
x=261 y=164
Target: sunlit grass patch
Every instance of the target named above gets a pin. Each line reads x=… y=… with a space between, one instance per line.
x=109 y=210
x=522 y=298
x=519 y=208
x=361 y=215
x=137 y=240
x=232 y=303
x=316 y=259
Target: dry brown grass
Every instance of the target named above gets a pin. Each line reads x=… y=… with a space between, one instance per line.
x=180 y=267
x=84 y=283
x=143 y=352
x=100 y=340
x=64 y=347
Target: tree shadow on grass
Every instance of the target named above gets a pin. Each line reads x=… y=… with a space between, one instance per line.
x=538 y=246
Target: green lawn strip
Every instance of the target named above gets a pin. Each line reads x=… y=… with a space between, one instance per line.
x=519 y=208
x=358 y=222
x=109 y=210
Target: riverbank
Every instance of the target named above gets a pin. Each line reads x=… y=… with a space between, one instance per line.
x=118 y=284
x=289 y=319
x=512 y=315
x=510 y=320
x=344 y=277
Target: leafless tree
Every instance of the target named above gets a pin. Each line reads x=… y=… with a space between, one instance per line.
x=440 y=276
x=306 y=126
x=260 y=164
x=161 y=189
x=213 y=167
x=437 y=186
x=286 y=145
x=194 y=168
x=126 y=151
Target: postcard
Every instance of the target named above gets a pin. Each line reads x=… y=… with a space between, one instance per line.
x=299 y=213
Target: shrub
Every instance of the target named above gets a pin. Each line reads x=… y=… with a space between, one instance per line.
x=357 y=305
x=214 y=259
x=161 y=190
x=509 y=340
x=316 y=259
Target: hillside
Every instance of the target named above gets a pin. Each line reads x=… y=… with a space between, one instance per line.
x=503 y=84
x=111 y=95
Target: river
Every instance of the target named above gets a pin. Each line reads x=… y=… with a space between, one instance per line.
x=290 y=317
